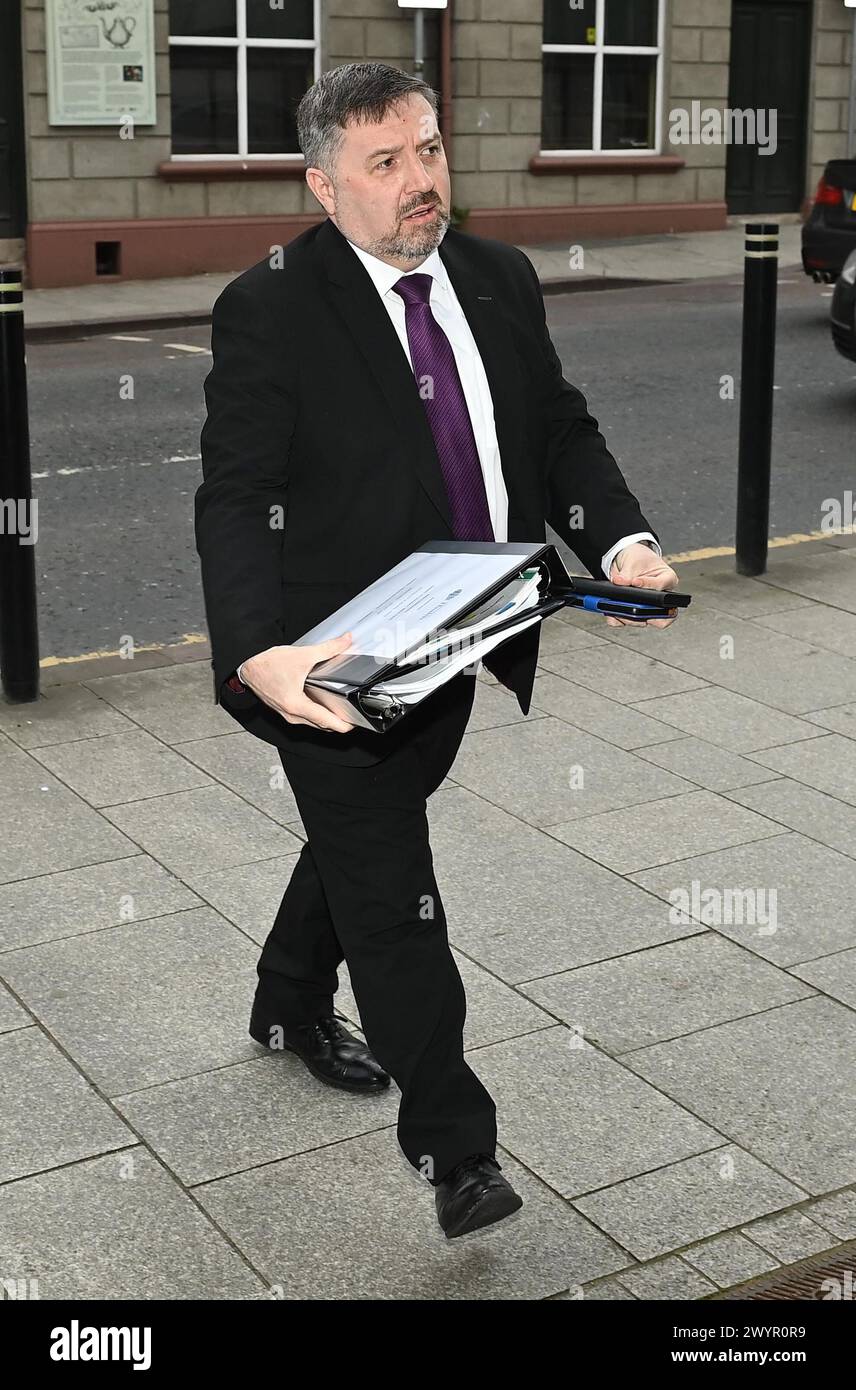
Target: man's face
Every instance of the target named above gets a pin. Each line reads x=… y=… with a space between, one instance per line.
x=390 y=191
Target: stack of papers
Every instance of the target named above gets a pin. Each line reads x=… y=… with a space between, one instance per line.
x=444 y=656
x=435 y=613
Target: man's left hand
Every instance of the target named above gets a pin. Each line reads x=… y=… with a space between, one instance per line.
x=639 y=565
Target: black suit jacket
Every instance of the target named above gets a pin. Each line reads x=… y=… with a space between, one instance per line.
x=320 y=471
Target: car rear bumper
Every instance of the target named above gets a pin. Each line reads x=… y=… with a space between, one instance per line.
x=825 y=249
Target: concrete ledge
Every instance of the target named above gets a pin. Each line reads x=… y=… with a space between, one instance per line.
x=542 y=224
x=605 y=164
x=63 y=254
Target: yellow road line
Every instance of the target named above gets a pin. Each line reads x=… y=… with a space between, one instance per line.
x=190 y=639
x=711 y=552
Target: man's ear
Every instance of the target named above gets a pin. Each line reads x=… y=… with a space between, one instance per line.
x=321 y=189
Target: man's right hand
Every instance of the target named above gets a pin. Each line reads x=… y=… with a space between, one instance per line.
x=277 y=676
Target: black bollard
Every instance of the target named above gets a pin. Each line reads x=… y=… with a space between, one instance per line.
x=760 y=277
x=19 y=634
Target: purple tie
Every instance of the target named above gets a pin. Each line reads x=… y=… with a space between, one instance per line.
x=436 y=372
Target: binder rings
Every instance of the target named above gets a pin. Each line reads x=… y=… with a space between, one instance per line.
x=393 y=667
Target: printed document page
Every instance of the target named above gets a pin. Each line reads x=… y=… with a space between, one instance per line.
x=420 y=594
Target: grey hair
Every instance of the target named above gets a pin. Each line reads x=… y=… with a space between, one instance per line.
x=354 y=93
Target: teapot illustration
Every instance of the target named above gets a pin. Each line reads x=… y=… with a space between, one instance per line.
x=120 y=31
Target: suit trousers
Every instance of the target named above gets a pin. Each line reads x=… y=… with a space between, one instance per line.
x=364 y=890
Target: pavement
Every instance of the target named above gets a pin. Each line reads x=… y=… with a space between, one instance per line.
x=650 y=885
x=166 y=303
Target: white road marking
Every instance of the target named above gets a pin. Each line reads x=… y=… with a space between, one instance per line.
x=188 y=347
x=111 y=467
x=128 y=338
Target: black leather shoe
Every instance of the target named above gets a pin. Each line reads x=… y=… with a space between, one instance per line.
x=473 y=1195
x=330 y=1052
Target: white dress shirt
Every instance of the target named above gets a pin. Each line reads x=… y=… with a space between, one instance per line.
x=446 y=308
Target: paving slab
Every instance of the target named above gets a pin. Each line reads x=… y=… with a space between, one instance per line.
x=828 y=576
x=175 y=703
x=685 y=1201
x=146 y=1002
x=354 y=1221
x=727 y=719
x=779 y=1083
x=248 y=895
x=780 y=671
x=117 y=1228
x=560 y=633
x=663 y=831
x=821 y=626
x=579 y=1119
x=705 y=764
x=120 y=767
x=841 y=719
x=836 y=1213
x=586 y=709
x=49 y=1114
x=834 y=975
x=83 y=900
x=608 y=1290
x=827 y=763
x=188 y=831
x=51 y=827
x=243 y=1116
x=12 y=1016
x=523 y=905
x=789 y=1236
x=739 y=596
x=547 y=772
x=494 y=708
x=788 y=899
x=249 y=767
x=61 y=713
x=621 y=673
x=665 y=992
x=729 y=1259
x=797 y=807
x=667 y=1280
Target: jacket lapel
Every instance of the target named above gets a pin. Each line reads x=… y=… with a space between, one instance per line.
x=360 y=306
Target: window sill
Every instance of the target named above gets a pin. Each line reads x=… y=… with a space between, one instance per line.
x=605 y=164
x=209 y=170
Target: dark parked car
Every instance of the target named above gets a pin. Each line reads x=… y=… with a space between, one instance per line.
x=843 y=316
x=829 y=235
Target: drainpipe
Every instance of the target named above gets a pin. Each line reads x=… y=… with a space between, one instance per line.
x=446 y=79
x=445 y=65
x=851 y=125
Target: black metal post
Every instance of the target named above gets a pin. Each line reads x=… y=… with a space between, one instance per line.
x=19 y=634
x=760 y=278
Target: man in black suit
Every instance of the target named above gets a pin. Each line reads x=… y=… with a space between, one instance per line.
x=383 y=381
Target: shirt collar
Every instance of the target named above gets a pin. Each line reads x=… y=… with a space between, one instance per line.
x=384 y=276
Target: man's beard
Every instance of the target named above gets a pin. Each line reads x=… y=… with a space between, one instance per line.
x=415 y=246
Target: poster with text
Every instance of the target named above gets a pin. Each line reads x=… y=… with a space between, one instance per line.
x=100 y=62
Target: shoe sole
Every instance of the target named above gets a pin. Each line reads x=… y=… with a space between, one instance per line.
x=492 y=1206
x=356 y=1087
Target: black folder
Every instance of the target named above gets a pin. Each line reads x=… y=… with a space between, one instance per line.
x=347 y=684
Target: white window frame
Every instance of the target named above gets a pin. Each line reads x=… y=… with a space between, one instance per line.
x=600 y=50
x=242 y=42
